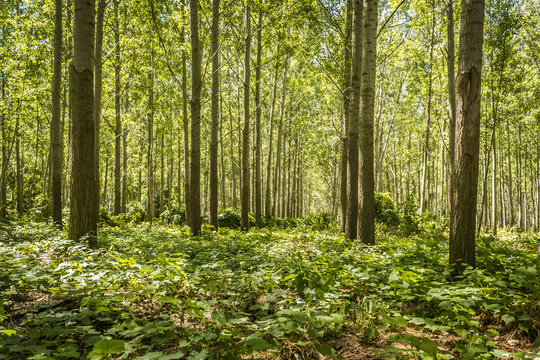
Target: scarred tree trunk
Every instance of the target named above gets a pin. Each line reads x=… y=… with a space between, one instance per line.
x=366 y=209
x=84 y=196
x=213 y=214
x=465 y=174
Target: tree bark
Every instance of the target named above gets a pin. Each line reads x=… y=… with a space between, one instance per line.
x=366 y=209
x=118 y=117
x=244 y=219
x=98 y=80
x=185 y=122
x=450 y=67
x=56 y=128
x=465 y=174
x=354 y=121
x=277 y=174
x=150 y=207
x=195 y=172
x=258 y=177
x=268 y=193
x=347 y=54
x=84 y=195
x=213 y=214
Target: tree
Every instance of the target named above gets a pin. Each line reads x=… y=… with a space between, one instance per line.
x=212 y=218
x=354 y=120
x=195 y=171
x=366 y=193
x=84 y=197
x=244 y=219
x=258 y=110
x=467 y=136
x=118 y=116
x=56 y=130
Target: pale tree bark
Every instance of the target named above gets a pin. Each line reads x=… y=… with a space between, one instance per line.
x=258 y=177
x=118 y=117
x=195 y=172
x=98 y=74
x=56 y=128
x=366 y=208
x=125 y=163
x=4 y=166
x=465 y=174
x=244 y=219
x=347 y=54
x=84 y=195
x=354 y=121
x=19 y=174
x=213 y=213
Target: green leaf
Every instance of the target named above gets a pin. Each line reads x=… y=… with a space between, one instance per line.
x=256 y=342
x=507 y=318
x=109 y=347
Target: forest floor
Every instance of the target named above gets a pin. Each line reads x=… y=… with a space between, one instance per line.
x=156 y=293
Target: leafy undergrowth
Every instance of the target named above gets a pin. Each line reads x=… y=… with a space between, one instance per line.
x=156 y=293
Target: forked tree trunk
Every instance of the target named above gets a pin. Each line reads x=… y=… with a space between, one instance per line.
x=465 y=174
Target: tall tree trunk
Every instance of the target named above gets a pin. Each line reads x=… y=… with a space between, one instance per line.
x=354 y=122
x=244 y=220
x=465 y=174
x=185 y=122
x=125 y=164
x=98 y=80
x=277 y=175
x=424 y=194
x=56 y=128
x=366 y=193
x=150 y=207
x=19 y=169
x=118 y=128
x=213 y=215
x=84 y=196
x=268 y=192
x=195 y=173
x=347 y=55
x=258 y=176
x=450 y=68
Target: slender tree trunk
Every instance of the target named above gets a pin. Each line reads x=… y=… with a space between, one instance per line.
x=84 y=196
x=125 y=164
x=222 y=157
x=185 y=121
x=465 y=174
x=366 y=193
x=118 y=128
x=213 y=215
x=19 y=169
x=150 y=207
x=56 y=128
x=424 y=194
x=354 y=122
x=258 y=176
x=277 y=175
x=244 y=220
x=98 y=84
x=450 y=68
x=195 y=173
x=268 y=193
x=347 y=55
x=3 y=171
